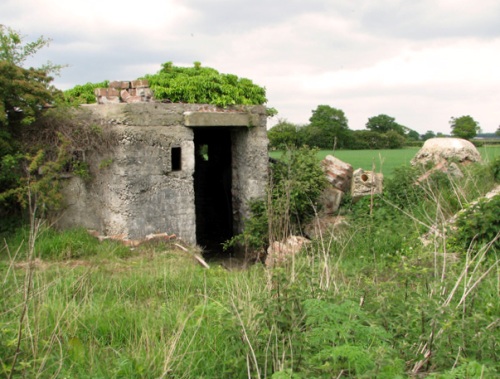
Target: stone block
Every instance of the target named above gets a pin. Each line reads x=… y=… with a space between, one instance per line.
x=113 y=92
x=337 y=172
x=147 y=93
x=119 y=85
x=101 y=92
x=124 y=94
x=330 y=200
x=366 y=183
x=139 y=83
x=109 y=99
x=133 y=99
x=279 y=252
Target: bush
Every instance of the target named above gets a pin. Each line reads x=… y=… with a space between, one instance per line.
x=478 y=224
x=296 y=182
x=494 y=167
x=204 y=85
x=83 y=94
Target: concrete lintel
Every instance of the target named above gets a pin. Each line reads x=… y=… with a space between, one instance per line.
x=220 y=119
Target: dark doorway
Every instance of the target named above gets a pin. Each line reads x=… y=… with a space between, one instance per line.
x=212 y=185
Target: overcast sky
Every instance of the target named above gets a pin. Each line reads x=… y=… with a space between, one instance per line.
x=420 y=61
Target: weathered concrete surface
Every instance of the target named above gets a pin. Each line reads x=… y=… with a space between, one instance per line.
x=208 y=119
x=337 y=172
x=138 y=192
x=366 y=183
x=437 y=150
x=330 y=200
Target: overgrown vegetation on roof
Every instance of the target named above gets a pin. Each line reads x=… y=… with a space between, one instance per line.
x=203 y=85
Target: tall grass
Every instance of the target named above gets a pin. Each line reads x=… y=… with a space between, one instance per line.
x=365 y=301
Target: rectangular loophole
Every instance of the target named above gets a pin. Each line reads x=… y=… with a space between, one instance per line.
x=176 y=155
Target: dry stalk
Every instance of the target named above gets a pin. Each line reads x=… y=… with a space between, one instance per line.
x=247 y=340
x=35 y=225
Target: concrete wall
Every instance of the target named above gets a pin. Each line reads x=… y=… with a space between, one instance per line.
x=138 y=193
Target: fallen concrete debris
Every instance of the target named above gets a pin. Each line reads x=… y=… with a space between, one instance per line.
x=122 y=238
x=280 y=252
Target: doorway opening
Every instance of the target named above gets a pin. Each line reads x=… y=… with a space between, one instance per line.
x=212 y=186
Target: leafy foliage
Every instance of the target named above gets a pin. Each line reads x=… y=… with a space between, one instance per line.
x=328 y=127
x=367 y=139
x=383 y=124
x=478 y=224
x=204 y=85
x=428 y=135
x=283 y=135
x=25 y=95
x=464 y=127
x=83 y=94
x=14 y=50
x=296 y=183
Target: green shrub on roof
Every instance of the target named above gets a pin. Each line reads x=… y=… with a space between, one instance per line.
x=203 y=85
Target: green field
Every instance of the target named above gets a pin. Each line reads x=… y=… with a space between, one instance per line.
x=386 y=160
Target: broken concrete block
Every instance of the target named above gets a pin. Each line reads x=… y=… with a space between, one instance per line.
x=108 y=99
x=113 y=92
x=119 y=85
x=337 y=172
x=330 y=200
x=366 y=183
x=436 y=150
x=101 y=92
x=142 y=83
x=133 y=99
x=279 y=252
x=124 y=94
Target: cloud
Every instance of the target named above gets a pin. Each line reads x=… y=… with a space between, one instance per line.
x=419 y=61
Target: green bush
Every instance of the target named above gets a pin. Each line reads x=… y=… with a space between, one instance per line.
x=478 y=224
x=204 y=85
x=296 y=182
x=401 y=189
x=495 y=169
x=83 y=94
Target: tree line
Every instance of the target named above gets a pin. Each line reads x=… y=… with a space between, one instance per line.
x=328 y=129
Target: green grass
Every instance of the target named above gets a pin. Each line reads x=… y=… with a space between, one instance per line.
x=386 y=161
x=368 y=301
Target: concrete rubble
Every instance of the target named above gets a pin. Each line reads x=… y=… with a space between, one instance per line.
x=135 y=91
x=438 y=150
x=279 y=252
x=366 y=183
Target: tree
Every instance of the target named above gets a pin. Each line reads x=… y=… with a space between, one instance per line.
x=367 y=139
x=498 y=131
x=25 y=93
x=464 y=127
x=282 y=135
x=428 y=135
x=328 y=126
x=412 y=135
x=383 y=123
